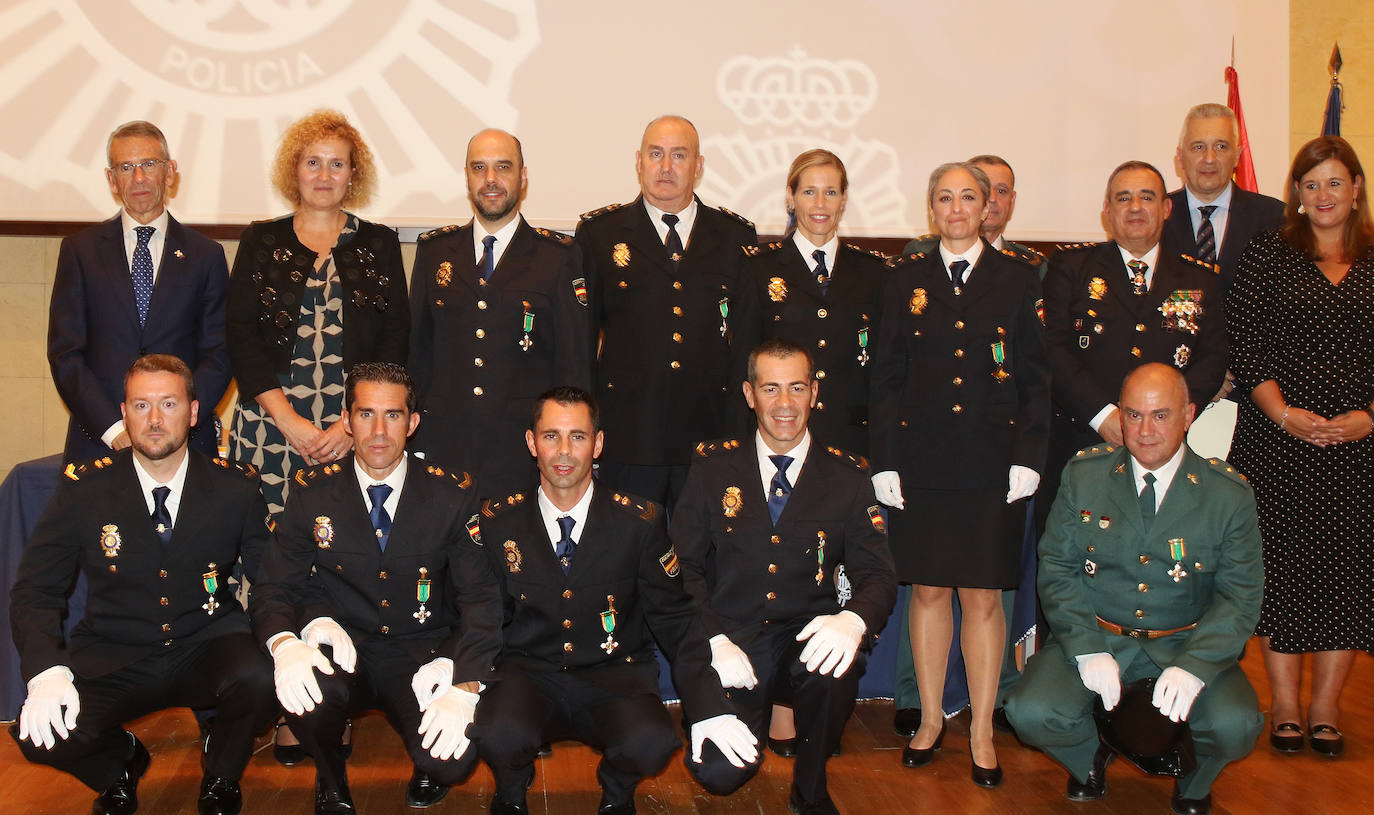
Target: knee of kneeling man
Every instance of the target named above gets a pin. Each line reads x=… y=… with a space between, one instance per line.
x=718 y=776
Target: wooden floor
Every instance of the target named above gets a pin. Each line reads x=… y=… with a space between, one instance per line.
x=867 y=779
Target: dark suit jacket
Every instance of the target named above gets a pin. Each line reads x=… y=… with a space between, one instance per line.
x=1251 y=213
x=94 y=334
x=940 y=417
x=664 y=373
x=476 y=377
x=748 y=574
x=554 y=621
x=142 y=598
x=324 y=561
x=837 y=327
x=1116 y=565
x=265 y=291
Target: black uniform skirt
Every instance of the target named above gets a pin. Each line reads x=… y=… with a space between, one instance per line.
x=959 y=538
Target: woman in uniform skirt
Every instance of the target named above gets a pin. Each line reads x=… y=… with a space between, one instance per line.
x=960 y=406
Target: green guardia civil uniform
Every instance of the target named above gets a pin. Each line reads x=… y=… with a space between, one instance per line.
x=1196 y=566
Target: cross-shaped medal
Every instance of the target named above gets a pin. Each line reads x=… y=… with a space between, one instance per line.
x=210 y=606
x=1177 y=572
x=422 y=615
x=610 y=644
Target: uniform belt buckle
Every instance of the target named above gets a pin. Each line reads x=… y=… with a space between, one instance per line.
x=1136 y=633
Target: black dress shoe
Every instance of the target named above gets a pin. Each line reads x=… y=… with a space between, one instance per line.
x=918 y=757
x=1327 y=747
x=1286 y=737
x=825 y=806
x=1189 y=806
x=906 y=721
x=1001 y=722
x=1096 y=785
x=121 y=797
x=545 y=750
x=423 y=791
x=219 y=796
x=985 y=778
x=287 y=755
x=501 y=807
x=787 y=748
x=333 y=802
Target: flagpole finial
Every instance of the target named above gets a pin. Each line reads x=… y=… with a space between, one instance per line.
x=1334 y=64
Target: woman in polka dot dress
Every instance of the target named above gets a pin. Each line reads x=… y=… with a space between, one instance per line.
x=1301 y=320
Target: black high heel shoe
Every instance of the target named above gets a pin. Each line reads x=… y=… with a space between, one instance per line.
x=287 y=755
x=1327 y=747
x=919 y=757
x=1286 y=737
x=982 y=776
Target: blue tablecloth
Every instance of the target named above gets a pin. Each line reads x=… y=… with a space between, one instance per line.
x=22 y=498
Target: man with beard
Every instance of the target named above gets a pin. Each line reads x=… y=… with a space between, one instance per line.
x=668 y=275
x=499 y=314
x=156 y=530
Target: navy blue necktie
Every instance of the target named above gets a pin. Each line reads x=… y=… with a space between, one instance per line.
x=956 y=274
x=162 y=518
x=381 y=521
x=566 y=546
x=779 y=489
x=674 y=242
x=143 y=271
x=1207 y=236
x=822 y=275
x=487 y=265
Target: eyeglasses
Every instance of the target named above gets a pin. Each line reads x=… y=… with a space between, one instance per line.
x=147 y=165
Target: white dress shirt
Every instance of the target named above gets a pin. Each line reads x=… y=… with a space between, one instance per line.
x=1164 y=475
x=503 y=239
x=176 y=484
x=551 y=514
x=1220 y=216
x=971 y=255
x=155 y=243
x=396 y=479
x=806 y=247
x=766 y=467
x=686 y=218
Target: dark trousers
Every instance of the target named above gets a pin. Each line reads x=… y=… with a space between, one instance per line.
x=660 y=483
x=231 y=673
x=822 y=705
x=381 y=682
x=615 y=709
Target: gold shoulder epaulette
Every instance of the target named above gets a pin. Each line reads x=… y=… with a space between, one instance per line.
x=1228 y=471
x=491 y=507
x=901 y=260
x=306 y=477
x=440 y=231
x=749 y=251
x=635 y=505
x=247 y=470
x=1211 y=267
x=1069 y=247
x=859 y=249
x=557 y=237
x=1096 y=451
x=75 y=471
x=587 y=216
x=706 y=448
x=737 y=217
x=858 y=462
x=458 y=476
x=1025 y=254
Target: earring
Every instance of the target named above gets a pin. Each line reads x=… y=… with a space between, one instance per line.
x=1301 y=210
x=1354 y=205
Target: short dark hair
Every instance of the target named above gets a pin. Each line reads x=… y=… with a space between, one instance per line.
x=567 y=396
x=162 y=364
x=994 y=161
x=782 y=349
x=1135 y=164
x=382 y=373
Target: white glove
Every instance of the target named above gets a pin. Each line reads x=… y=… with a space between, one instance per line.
x=1021 y=483
x=731 y=664
x=445 y=723
x=1175 y=692
x=324 y=631
x=49 y=692
x=293 y=668
x=730 y=735
x=888 y=487
x=834 y=639
x=431 y=679
x=1102 y=676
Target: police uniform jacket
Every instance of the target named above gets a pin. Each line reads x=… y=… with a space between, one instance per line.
x=1198 y=561
x=1099 y=330
x=666 y=362
x=835 y=326
x=142 y=598
x=481 y=352
x=927 y=244
x=265 y=291
x=94 y=334
x=624 y=575
x=325 y=562
x=1250 y=214
x=748 y=574
x=943 y=415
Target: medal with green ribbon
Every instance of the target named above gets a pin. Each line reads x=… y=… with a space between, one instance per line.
x=1177 y=551
x=724 y=315
x=999 y=356
x=526 y=342
x=211 y=582
x=863 y=347
x=608 y=625
x=422 y=594
x=820 y=556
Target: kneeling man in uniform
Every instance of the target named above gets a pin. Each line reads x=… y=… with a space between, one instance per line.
x=156 y=530
x=1149 y=568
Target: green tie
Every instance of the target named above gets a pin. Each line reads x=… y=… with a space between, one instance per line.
x=1147 y=498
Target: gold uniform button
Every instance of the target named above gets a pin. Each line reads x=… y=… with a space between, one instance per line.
x=1135 y=351
x=820 y=374
x=162 y=573
x=167 y=643
x=1144 y=559
x=775 y=539
x=439 y=302
x=771 y=596
x=958 y=408
x=567 y=623
x=162 y=601
x=482 y=304
x=1139 y=614
x=166 y=627
x=114 y=569
x=386 y=604
x=677 y=338
x=567 y=648
x=958 y=380
x=477 y=391
x=677 y=311
x=958 y=353
x=1092 y=548
x=567 y=594
x=478 y=362
x=624 y=285
x=675 y=365
x=820 y=343
x=677 y=284
x=1139 y=326
x=959 y=324
x=772 y=568
x=822 y=313
x=1142 y=587
x=381 y=575
x=386 y=629
x=480 y=333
